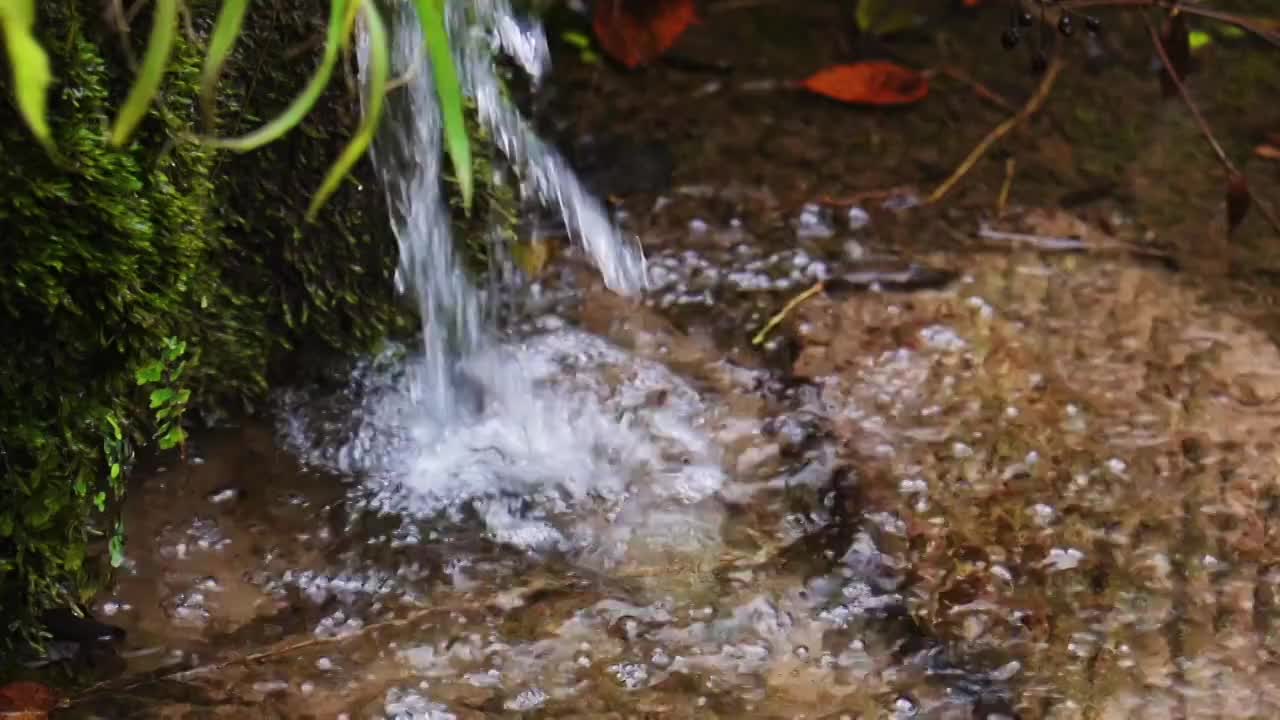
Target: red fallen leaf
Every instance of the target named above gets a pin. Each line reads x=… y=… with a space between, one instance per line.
x=870 y=83
x=1267 y=152
x=1238 y=201
x=26 y=701
x=636 y=32
x=1176 y=40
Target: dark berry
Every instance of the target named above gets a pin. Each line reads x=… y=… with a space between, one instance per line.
x=1039 y=62
x=1092 y=24
x=1010 y=38
x=1025 y=19
x=1066 y=25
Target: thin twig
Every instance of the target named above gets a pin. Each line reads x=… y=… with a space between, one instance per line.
x=1203 y=124
x=125 y=684
x=1033 y=105
x=1247 y=23
x=1051 y=243
x=1002 y=201
x=781 y=315
x=978 y=88
x=1060 y=243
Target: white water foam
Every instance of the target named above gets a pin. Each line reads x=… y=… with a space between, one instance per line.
x=579 y=447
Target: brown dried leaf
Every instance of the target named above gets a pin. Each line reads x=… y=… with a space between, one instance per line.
x=637 y=32
x=26 y=701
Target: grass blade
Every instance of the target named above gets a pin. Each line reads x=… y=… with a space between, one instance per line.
x=449 y=92
x=379 y=72
x=30 y=66
x=164 y=30
x=226 y=31
x=302 y=104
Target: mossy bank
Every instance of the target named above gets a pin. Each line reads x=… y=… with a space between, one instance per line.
x=189 y=270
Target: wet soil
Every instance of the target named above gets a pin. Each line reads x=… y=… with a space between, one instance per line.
x=1037 y=480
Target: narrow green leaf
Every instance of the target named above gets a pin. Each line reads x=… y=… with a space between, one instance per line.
x=115 y=424
x=115 y=471
x=379 y=70
x=30 y=66
x=164 y=30
x=302 y=104
x=449 y=91
x=226 y=30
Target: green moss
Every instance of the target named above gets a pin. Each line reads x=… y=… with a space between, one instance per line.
x=109 y=253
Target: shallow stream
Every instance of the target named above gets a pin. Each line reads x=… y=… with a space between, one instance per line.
x=966 y=478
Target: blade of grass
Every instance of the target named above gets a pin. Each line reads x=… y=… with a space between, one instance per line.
x=30 y=66
x=226 y=30
x=302 y=104
x=379 y=72
x=164 y=30
x=449 y=92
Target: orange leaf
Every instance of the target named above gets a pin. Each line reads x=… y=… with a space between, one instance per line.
x=871 y=83
x=636 y=32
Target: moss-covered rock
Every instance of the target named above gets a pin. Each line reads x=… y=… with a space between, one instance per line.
x=108 y=253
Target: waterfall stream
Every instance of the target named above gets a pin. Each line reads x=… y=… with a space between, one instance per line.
x=408 y=154
x=545 y=436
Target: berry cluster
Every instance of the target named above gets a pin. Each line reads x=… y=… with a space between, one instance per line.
x=1020 y=20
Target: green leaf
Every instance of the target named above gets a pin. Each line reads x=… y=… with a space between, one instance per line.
x=164 y=30
x=379 y=70
x=100 y=501
x=1200 y=39
x=115 y=424
x=161 y=396
x=116 y=546
x=226 y=30
x=174 y=437
x=305 y=100
x=576 y=39
x=884 y=17
x=149 y=373
x=868 y=12
x=115 y=471
x=449 y=91
x=30 y=66
x=74 y=557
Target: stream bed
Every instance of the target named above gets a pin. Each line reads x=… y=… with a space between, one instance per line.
x=972 y=474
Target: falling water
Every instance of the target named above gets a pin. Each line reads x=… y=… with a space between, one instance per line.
x=566 y=450
x=407 y=152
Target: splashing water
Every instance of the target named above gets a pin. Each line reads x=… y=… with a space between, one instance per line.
x=407 y=152
x=550 y=441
